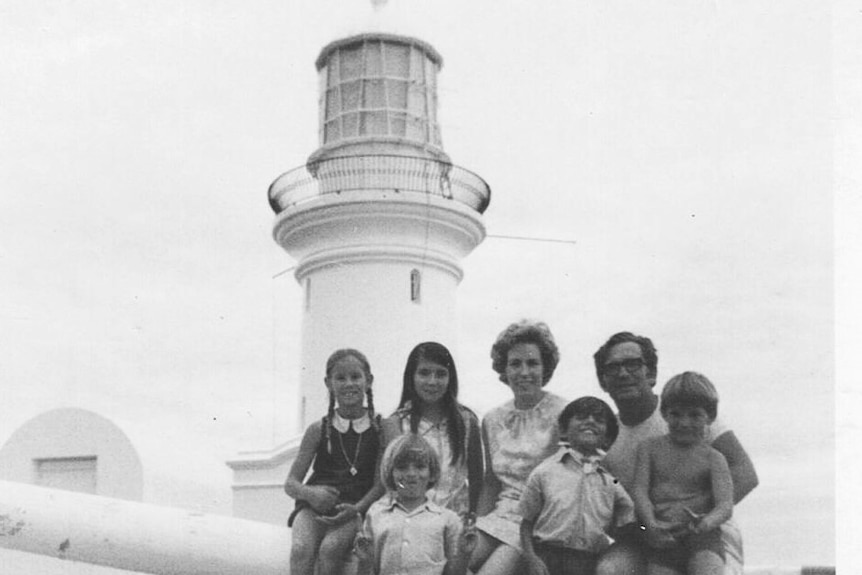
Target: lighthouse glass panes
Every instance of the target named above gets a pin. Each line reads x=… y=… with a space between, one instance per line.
x=379 y=87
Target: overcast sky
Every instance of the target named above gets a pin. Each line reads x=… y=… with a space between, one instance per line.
x=684 y=147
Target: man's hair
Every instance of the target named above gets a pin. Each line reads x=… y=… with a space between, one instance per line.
x=648 y=351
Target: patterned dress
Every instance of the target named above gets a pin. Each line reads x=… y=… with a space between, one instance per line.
x=453 y=489
x=518 y=440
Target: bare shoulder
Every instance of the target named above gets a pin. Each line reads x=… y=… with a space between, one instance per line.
x=715 y=456
x=313 y=432
x=653 y=444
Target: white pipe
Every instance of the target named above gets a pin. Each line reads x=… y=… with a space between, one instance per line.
x=137 y=536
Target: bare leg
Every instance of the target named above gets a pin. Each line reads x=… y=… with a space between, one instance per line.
x=307 y=534
x=657 y=569
x=504 y=560
x=335 y=548
x=485 y=545
x=705 y=563
x=622 y=559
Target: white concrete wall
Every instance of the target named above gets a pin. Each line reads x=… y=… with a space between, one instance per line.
x=355 y=257
x=73 y=432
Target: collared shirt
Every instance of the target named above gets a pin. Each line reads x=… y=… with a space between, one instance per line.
x=359 y=424
x=417 y=542
x=573 y=502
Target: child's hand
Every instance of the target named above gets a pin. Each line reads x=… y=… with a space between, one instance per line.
x=322 y=498
x=362 y=548
x=700 y=522
x=343 y=512
x=535 y=566
x=660 y=535
x=468 y=540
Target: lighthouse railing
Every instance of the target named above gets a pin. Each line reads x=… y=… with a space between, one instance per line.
x=395 y=173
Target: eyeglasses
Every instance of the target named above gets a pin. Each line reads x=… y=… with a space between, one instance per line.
x=630 y=365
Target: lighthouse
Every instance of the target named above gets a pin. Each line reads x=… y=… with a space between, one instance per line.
x=378 y=219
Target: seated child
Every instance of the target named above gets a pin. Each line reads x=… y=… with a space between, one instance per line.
x=405 y=532
x=570 y=504
x=683 y=489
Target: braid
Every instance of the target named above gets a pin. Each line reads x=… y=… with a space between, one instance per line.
x=330 y=415
x=369 y=395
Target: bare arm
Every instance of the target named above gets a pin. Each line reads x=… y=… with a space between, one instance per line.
x=658 y=533
x=363 y=548
x=722 y=493
x=460 y=542
x=475 y=462
x=490 y=484
x=741 y=467
x=321 y=497
x=640 y=491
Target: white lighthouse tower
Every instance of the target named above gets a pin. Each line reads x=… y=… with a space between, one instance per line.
x=378 y=220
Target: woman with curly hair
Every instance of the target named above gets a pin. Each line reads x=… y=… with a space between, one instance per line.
x=518 y=435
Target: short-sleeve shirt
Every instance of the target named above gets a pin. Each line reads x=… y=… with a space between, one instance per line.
x=417 y=542
x=574 y=502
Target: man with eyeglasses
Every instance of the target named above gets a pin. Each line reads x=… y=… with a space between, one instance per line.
x=626 y=366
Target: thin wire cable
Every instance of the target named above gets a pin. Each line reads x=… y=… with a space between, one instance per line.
x=528 y=239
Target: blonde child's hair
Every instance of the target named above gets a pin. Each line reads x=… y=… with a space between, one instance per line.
x=409 y=448
x=337 y=356
x=690 y=388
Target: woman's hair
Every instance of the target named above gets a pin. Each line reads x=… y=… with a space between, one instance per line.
x=405 y=449
x=648 y=352
x=526 y=331
x=588 y=405
x=337 y=356
x=436 y=353
x=690 y=388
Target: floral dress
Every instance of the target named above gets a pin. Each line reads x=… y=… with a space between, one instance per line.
x=518 y=440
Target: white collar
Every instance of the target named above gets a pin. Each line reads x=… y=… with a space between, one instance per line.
x=588 y=462
x=359 y=424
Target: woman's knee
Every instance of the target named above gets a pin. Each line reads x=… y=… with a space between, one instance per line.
x=484 y=547
x=303 y=551
x=505 y=560
x=338 y=542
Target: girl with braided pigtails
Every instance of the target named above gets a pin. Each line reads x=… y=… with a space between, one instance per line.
x=342 y=451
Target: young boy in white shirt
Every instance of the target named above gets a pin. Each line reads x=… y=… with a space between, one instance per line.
x=571 y=505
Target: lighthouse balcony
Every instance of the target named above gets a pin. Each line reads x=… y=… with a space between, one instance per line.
x=412 y=177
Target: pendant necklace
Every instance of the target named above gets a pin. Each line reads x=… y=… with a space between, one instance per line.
x=353 y=470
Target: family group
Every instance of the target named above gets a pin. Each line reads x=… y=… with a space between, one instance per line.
x=544 y=485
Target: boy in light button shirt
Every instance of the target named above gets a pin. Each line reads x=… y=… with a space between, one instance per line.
x=571 y=505
x=404 y=532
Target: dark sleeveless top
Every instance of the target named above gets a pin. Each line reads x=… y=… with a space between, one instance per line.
x=360 y=449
